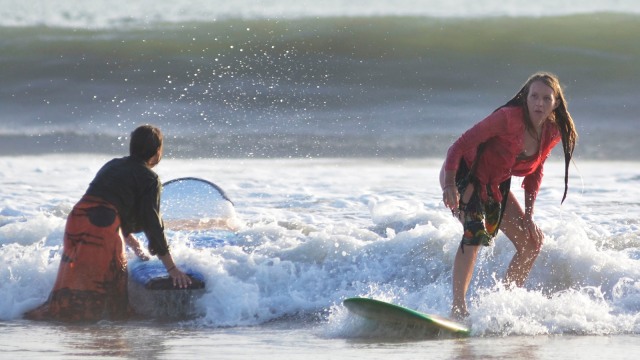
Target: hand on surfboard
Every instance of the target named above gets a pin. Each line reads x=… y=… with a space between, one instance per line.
x=180 y=279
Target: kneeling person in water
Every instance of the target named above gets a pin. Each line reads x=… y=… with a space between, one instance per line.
x=123 y=198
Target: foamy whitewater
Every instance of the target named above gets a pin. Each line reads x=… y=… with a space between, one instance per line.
x=317 y=231
x=326 y=123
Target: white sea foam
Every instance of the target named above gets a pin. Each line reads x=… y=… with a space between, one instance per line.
x=118 y=13
x=317 y=231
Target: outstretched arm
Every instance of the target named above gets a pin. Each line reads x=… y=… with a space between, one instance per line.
x=134 y=244
x=535 y=234
x=450 y=195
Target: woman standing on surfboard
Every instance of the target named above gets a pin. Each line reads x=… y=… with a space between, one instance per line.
x=123 y=198
x=515 y=140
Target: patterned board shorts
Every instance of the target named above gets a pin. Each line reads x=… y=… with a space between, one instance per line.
x=481 y=218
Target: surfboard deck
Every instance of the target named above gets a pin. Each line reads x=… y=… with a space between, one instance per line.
x=390 y=313
x=195 y=212
x=193 y=206
x=152 y=275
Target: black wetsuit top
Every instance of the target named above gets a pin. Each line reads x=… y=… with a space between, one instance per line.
x=134 y=189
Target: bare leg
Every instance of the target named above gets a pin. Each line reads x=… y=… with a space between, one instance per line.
x=526 y=249
x=463 y=266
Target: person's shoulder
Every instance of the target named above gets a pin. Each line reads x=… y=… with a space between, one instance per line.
x=112 y=164
x=512 y=112
x=510 y=117
x=139 y=167
x=115 y=161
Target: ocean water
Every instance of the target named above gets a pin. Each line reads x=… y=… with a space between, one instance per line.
x=305 y=79
x=316 y=231
x=326 y=123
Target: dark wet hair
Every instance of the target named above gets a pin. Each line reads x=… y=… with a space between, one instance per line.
x=145 y=142
x=560 y=116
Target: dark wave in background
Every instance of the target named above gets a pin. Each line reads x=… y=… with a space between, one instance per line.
x=344 y=86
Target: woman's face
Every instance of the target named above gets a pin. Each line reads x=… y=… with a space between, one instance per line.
x=541 y=102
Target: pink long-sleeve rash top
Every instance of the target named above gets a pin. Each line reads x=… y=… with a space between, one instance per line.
x=503 y=133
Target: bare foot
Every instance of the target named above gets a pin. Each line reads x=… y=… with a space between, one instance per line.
x=459 y=313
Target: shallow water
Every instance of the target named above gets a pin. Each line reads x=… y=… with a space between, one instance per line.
x=285 y=340
x=314 y=232
x=326 y=123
